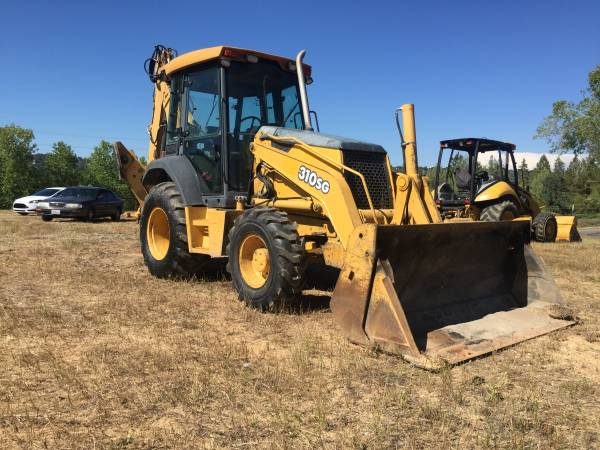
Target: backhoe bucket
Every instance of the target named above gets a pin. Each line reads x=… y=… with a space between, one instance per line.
x=445 y=293
x=567 y=229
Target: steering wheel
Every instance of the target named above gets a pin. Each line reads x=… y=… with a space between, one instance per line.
x=253 y=118
x=483 y=175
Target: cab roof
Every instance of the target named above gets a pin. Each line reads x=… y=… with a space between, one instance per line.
x=213 y=53
x=469 y=144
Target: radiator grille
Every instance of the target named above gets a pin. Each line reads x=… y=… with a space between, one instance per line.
x=373 y=167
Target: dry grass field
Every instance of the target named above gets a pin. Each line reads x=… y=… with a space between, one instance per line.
x=98 y=354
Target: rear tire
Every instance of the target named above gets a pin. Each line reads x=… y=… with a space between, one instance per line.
x=163 y=235
x=544 y=227
x=266 y=258
x=497 y=212
x=46 y=218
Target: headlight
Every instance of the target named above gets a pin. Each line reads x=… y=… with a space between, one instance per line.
x=43 y=205
x=73 y=205
x=33 y=202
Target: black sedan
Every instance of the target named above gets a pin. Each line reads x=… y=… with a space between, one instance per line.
x=81 y=203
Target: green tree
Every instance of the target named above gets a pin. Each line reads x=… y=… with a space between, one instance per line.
x=523 y=173
x=559 y=166
x=17 y=174
x=575 y=126
x=554 y=192
x=543 y=164
x=62 y=166
x=101 y=170
x=539 y=175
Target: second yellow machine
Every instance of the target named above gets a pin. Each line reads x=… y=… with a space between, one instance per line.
x=235 y=171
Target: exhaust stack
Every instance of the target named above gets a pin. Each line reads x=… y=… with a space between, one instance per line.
x=302 y=86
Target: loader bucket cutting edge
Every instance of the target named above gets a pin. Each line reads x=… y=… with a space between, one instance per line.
x=445 y=293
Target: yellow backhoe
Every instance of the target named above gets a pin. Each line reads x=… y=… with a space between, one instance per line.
x=237 y=172
x=463 y=188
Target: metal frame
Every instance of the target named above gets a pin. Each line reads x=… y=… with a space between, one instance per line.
x=473 y=157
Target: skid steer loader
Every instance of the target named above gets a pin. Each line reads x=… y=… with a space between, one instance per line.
x=463 y=188
x=236 y=171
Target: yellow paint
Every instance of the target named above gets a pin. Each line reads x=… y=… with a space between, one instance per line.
x=158 y=234
x=212 y=53
x=132 y=171
x=254 y=261
x=496 y=191
x=206 y=229
x=337 y=204
x=566 y=228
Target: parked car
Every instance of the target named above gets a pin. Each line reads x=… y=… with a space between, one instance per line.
x=27 y=205
x=81 y=203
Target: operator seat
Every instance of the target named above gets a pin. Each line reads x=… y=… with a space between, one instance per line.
x=462 y=179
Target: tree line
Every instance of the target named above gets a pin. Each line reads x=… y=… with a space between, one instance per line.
x=23 y=170
x=570 y=127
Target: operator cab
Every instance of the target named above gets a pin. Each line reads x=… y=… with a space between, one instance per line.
x=468 y=166
x=218 y=105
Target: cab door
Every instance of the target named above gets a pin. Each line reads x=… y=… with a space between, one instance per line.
x=202 y=136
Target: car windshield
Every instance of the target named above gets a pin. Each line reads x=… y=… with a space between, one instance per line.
x=77 y=192
x=46 y=192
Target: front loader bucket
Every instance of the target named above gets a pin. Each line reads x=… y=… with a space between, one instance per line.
x=445 y=293
x=567 y=229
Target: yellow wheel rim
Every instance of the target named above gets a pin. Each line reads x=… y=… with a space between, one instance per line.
x=158 y=233
x=254 y=261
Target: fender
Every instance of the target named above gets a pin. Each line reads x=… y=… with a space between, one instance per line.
x=496 y=191
x=180 y=170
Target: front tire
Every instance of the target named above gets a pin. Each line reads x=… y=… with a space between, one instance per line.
x=116 y=216
x=266 y=258
x=497 y=212
x=47 y=218
x=163 y=235
x=544 y=227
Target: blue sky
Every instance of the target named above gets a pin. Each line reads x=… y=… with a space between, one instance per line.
x=72 y=70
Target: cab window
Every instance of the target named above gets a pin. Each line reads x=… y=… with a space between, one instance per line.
x=174 y=124
x=202 y=136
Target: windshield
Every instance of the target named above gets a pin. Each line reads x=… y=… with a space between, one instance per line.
x=498 y=164
x=262 y=94
x=77 y=192
x=257 y=94
x=453 y=165
x=46 y=192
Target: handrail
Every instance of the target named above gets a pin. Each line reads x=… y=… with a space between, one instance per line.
x=309 y=149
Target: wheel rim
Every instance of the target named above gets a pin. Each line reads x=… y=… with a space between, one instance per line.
x=254 y=261
x=158 y=233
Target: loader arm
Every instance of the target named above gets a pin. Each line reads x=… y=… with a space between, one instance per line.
x=295 y=161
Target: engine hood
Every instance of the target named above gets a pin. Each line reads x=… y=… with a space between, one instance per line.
x=321 y=139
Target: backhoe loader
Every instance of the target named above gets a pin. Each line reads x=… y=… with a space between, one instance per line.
x=236 y=172
x=463 y=188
